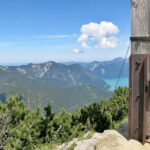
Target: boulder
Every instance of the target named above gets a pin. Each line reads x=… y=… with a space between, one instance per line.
x=108 y=140
x=112 y=140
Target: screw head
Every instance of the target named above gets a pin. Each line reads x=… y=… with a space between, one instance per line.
x=138 y=62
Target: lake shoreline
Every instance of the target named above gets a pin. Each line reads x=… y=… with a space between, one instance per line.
x=124 y=81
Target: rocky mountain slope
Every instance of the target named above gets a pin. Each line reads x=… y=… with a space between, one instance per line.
x=110 y=69
x=107 y=69
x=68 y=85
x=59 y=85
x=57 y=73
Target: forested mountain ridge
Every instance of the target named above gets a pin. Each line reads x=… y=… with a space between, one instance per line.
x=67 y=85
x=59 y=74
x=60 y=85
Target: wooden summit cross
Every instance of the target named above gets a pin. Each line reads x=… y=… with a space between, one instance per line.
x=139 y=85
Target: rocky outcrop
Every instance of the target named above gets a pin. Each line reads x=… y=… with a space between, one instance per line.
x=86 y=144
x=112 y=140
x=108 y=140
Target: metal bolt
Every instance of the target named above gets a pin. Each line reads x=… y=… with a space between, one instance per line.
x=138 y=95
x=138 y=62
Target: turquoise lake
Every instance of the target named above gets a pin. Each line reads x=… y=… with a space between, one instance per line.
x=112 y=82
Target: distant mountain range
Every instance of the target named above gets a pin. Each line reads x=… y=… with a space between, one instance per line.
x=106 y=69
x=66 y=85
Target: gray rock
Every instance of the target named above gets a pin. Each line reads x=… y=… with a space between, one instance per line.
x=108 y=140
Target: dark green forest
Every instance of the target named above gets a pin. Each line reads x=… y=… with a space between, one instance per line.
x=24 y=129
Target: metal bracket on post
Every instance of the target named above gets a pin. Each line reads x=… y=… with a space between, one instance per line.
x=140 y=38
x=138 y=95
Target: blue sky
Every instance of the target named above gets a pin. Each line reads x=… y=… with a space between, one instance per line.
x=63 y=30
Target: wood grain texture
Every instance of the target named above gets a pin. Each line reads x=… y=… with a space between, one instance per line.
x=140 y=26
x=140 y=16
x=137 y=97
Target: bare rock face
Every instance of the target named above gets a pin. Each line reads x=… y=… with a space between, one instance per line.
x=108 y=140
x=112 y=140
x=88 y=144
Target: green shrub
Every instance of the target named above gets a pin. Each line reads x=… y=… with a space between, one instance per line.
x=23 y=129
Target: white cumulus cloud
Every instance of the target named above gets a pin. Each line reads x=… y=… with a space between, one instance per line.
x=84 y=45
x=77 y=50
x=83 y=38
x=101 y=34
x=110 y=42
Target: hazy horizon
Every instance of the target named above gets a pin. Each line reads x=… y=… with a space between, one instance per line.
x=69 y=61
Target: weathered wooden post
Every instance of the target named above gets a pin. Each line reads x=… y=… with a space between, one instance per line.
x=139 y=102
